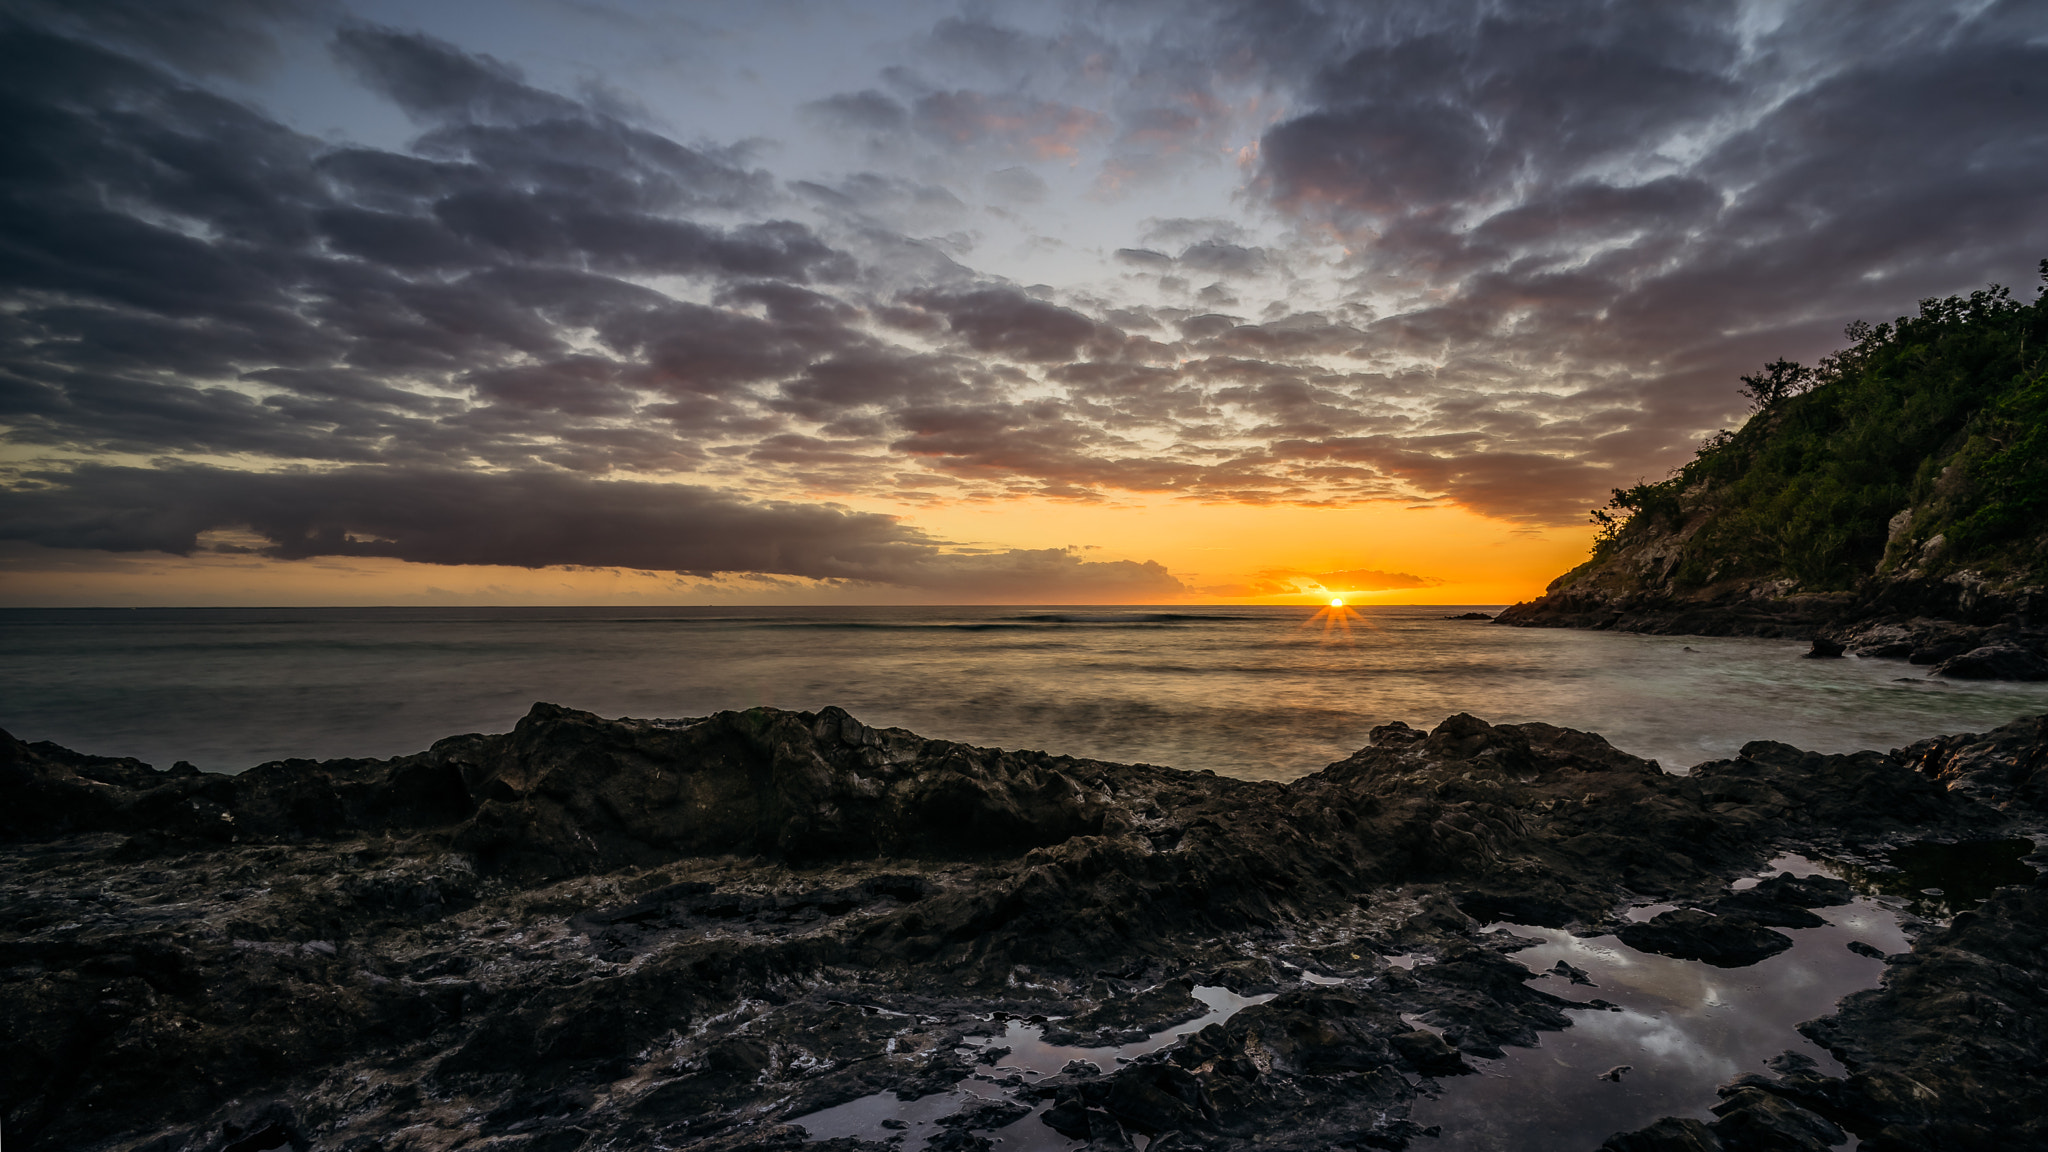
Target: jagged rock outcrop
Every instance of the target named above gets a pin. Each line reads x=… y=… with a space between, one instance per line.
x=593 y=932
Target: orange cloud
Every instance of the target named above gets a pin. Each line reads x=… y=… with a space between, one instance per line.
x=1288 y=582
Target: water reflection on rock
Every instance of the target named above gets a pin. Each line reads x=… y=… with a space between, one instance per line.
x=1684 y=1027
x=1026 y=1058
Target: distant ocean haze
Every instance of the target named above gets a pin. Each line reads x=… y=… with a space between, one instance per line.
x=1257 y=692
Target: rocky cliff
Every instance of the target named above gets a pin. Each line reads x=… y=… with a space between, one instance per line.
x=1893 y=501
x=593 y=933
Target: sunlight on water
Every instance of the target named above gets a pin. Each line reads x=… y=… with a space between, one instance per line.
x=1269 y=693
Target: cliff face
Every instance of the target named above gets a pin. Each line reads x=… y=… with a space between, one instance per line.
x=1894 y=500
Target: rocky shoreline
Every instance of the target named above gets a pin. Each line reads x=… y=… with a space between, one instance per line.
x=591 y=933
x=1962 y=626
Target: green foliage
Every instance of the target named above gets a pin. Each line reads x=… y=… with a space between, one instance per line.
x=1779 y=380
x=1946 y=412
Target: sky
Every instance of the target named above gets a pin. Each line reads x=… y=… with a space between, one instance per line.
x=604 y=301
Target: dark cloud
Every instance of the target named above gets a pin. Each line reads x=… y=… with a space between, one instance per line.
x=532 y=520
x=1220 y=259
x=229 y=37
x=1005 y=320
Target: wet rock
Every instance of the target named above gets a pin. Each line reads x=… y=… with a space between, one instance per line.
x=959 y=1140
x=1689 y=934
x=1123 y=1019
x=1427 y=1054
x=647 y=933
x=1762 y=909
x=1862 y=949
x=1752 y=1119
x=1671 y=1134
x=1077 y=1121
x=1945 y=1052
x=1804 y=891
x=1518 y=907
x=1394 y=732
x=985 y=1115
x=1156 y=1097
x=2003 y=768
x=1824 y=649
x=1471 y=616
x=1994 y=662
x=1573 y=974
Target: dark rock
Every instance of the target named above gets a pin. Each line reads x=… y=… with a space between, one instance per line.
x=1753 y=1120
x=1862 y=949
x=1471 y=616
x=1394 y=732
x=959 y=1140
x=1157 y=1097
x=1575 y=975
x=592 y=933
x=1946 y=1052
x=1803 y=891
x=1761 y=909
x=1670 y=1134
x=1427 y=1054
x=1688 y=934
x=2006 y=768
x=1824 y=649
x=985 y=1115
x=1517 y=908
x=1994 y=662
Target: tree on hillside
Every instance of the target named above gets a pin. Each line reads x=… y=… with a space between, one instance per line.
x=1779 y=379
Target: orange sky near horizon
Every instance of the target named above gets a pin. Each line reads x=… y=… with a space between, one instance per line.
x=1221 y=553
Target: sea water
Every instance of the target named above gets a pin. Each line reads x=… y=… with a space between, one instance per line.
x=1260 y=692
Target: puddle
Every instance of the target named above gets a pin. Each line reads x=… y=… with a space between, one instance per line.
x=1030 y=1057
x=1939 y=880
x=1684 y=1029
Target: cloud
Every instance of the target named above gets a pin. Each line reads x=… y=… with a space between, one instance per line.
x=1292 y=582
x=1541 y=242
x=1005 y=320
x=1007 y=123
x=1372 y=580
x=1017 y=185
x=533 y=520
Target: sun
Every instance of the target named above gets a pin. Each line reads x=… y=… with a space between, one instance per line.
x=1337 y=603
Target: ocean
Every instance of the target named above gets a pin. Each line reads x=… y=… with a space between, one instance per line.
x=1260 y=692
